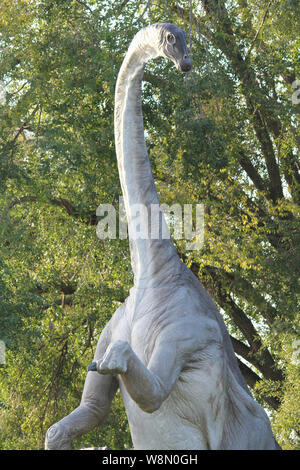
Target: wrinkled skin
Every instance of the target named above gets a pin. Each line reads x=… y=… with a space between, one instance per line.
x=166 y=347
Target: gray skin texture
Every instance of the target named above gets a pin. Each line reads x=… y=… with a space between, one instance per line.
x=166 y=347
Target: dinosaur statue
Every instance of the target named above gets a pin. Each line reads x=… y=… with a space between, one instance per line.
x=166 y=347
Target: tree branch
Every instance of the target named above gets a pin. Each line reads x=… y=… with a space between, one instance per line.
x=252 y=379
x=234 y=282
x=246 y=353
x=240 y=286
x=85 y=5
x=23 y=125
x=251 y=172
x=89 y=219
x=259 y=29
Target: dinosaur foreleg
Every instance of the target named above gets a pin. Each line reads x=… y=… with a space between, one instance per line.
x=80 y=421
x=147 y=386
x=94 y=407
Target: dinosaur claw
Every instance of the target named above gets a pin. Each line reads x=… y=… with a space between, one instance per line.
x=92 y=366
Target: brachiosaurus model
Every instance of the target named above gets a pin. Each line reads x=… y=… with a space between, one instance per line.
x=166 y=347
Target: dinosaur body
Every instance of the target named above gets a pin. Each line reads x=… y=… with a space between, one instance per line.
x=166 y=347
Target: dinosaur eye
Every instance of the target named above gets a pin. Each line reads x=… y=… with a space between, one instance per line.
x=171 y=38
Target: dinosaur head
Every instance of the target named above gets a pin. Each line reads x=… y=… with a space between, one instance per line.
x=172 y=44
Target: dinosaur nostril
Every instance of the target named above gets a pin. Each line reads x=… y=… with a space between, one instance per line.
x=186 y=65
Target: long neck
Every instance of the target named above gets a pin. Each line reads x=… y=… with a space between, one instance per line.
x=153 y=258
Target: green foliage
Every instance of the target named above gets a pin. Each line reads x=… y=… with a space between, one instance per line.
x=224 y=135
